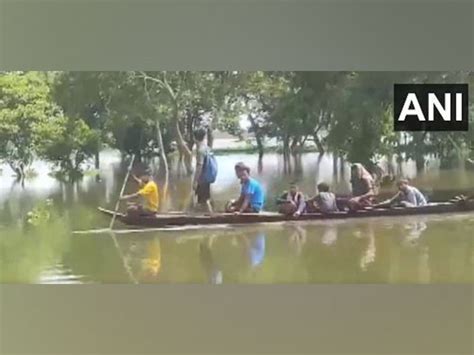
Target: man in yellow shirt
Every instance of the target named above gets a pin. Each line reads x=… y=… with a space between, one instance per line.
x=148 y=192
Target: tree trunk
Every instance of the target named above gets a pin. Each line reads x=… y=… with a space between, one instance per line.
x=180 y=164
x=210 y=137
x=96 y=160
x=334 y=165
x=286 y=164
x=318 y=169
x=298 y=164
x=286 y=146
x=18 y=169
x=398 y=166
x=258 y=135
x=259 y=146
x=390 y=166
x=420 y=163
x=342 y=165
x=294 y=145
x=189 y=129
x=185 y=152
x=97 y=164
x=164 y=164
x=286 y=155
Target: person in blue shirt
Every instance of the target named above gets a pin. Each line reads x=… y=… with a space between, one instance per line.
x=252 y=196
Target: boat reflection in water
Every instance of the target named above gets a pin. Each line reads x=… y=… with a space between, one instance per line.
x=413 y=233
x=255 y=247
x=297 y=240
x=368 y=257
x=206 y=256
x=329 y=236
x=393 y=250
x=252 y=247
x=142 y=260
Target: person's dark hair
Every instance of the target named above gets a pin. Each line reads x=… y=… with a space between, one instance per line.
x=323 y=187
x=145 y=172
x=402 y=182
x=199 y=134
x=241 y=166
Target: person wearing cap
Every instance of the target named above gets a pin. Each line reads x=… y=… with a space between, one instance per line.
x=252 y=196
x=292 y=202
x=148 y=192
x=407 y=196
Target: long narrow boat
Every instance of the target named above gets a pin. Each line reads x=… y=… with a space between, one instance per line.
x=182 y=219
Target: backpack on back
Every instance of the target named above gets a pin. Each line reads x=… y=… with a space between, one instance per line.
x=209 y=170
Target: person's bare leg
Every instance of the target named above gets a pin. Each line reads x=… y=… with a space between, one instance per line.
x=209 y=207
x=231 y=206
x=406 y=204
x=133 y=211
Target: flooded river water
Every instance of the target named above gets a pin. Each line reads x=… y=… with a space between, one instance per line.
x=426 y=249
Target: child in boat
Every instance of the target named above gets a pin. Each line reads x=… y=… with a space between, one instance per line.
x=148 y=192
x=324 y=201
x=252 y=197
x=292 y=202
x=363 y=188
x=407 y=196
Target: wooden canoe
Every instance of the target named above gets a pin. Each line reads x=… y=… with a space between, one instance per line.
x=182 y=219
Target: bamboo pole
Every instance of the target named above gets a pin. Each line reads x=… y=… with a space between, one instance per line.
x=121 y=192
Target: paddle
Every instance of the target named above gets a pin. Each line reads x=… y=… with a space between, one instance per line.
x=121 y=192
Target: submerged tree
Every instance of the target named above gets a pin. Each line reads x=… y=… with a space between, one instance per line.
x=24 y=103
x=348 y=114
x=67 y=143
x=81 y=94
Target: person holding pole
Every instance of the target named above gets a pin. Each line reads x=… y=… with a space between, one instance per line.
x=148 y=192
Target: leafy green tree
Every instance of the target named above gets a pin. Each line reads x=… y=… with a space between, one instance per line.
x=24 y=104
x=66 y=142
x=258 y=95
x=81 y=94
x=188 y=100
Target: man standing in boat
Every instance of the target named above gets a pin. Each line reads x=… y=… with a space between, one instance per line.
x=148 y=192
x=363 y=188
x=252 y=197
x=206 y=169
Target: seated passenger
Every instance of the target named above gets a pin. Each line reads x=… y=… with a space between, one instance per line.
x=324 y=201
x=292 y=202
x=252 y=197
x=407 y=196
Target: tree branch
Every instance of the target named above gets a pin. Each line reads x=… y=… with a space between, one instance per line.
x=163 y=83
